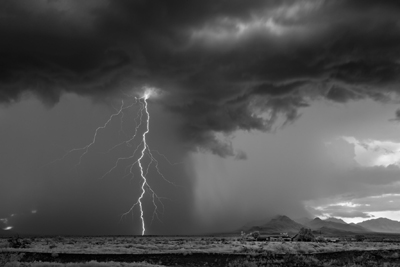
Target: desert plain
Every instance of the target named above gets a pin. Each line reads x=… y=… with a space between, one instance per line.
x=72 y=251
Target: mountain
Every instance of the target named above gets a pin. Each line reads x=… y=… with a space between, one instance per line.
x=381 y=225
x=333 y=219
x=303 y=220
x=280 y=224
x=332 y=232
x=330 y=226
x=317 y=224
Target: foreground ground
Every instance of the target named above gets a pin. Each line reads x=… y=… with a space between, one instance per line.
x=191 y=251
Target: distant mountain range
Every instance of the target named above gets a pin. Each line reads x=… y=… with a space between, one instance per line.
x=330 y=226
x=381 y=225
x=280 y=224
x=317 y=224
x=336 y=220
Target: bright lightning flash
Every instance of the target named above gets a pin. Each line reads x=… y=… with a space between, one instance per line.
x=147 y=94
x=145 y=151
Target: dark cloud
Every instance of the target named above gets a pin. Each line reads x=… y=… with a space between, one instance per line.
x=223 y=63
x=397 y=116
x=277 y=89
x=342 y=95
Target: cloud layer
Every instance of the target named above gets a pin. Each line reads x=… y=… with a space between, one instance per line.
x=224 y=65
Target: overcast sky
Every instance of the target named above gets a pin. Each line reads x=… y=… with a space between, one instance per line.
x=260 y=108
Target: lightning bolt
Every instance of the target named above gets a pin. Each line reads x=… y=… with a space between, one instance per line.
x=145 y=147
x=142 y=117
x=85 y=149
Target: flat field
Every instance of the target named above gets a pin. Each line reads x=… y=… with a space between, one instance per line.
x=191 y=251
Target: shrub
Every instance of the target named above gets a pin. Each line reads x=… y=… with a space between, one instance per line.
x=10 y=257
x=304 y=234
x=394 y=255
x=256 y=234
x=17 y=242
x=359 y=238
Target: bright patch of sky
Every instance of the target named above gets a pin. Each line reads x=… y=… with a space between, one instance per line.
x=311 y=161
x=346 y=204
x=371 y=152
x=360 y=209
x=363 y=151
x=392 y=215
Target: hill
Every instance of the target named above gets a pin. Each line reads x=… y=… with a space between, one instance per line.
x=317 y=224
x=333 y=219
x=381 y=225
x=303 y=220
x=280 y=224
x=332 y=232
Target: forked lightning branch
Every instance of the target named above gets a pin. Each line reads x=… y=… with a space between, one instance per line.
x=141 y=151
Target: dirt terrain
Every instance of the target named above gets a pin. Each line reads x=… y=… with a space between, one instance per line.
x=193 y=251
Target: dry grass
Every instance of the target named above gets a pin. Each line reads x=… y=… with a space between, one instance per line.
x=140 y=245
x=82 y=264
x=291 y=252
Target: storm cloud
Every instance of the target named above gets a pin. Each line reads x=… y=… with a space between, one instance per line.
x=222 y=64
